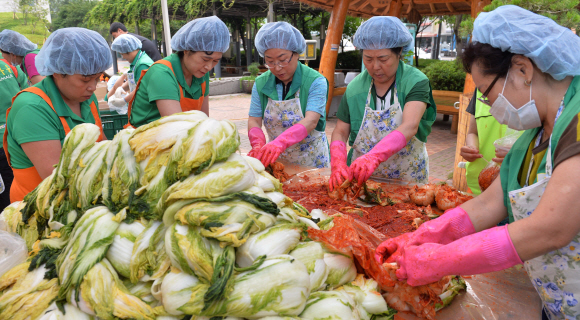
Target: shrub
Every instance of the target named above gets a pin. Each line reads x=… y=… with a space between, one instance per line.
x=253 y=69
x=349 y=60
x=446 y=75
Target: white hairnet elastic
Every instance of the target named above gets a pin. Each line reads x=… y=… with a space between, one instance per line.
x=15 y=43
x=74 y=51
x=208 y=34
x=383 y=32
x=279 y=35
x=126 y=43
x=553 y=48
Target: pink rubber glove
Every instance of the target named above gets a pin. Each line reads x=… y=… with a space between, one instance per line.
x=340 y=171
x=291 y=136
x=452 y=225
x=257 y=140
x=363 y=167
x=486 y=251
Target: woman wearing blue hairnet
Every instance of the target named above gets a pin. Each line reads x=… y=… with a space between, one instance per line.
x=291 y=100
x=20 y=51
x=130 y=49
x=180 y=82
x=72 y=59
x=386 y=112
x=528 y=68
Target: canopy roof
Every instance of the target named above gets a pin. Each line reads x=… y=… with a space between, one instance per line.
x=370 y=8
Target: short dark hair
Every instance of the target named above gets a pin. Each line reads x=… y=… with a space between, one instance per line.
x=491 y=60
x=116 y=26
x=180 y=54
x=397 y=51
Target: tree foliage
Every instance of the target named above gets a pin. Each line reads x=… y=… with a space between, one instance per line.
x=564 y=12
x=130 y=11
x=71 y=13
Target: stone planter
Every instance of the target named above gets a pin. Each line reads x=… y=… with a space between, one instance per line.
x=247 y=85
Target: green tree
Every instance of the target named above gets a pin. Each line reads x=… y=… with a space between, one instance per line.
x=72 y=14
x=38 y=14
x=454 y=22
x=351 y=24
x=564 y=12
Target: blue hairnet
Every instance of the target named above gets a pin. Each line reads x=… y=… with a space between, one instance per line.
x=74 y=51
x=383 y=32
x=208 y=34
x=15 y=43
x=279 y=35
x=553 y=48
x=126 y=43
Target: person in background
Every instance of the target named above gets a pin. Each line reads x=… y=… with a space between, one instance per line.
x=530 y=68
x=130 y=48
x=482 y=132
x=72 y=60
x=180 y=82
x=117 y=29
x=291 y=100
x=386 y=112
x=12 y=80
x=19 y=51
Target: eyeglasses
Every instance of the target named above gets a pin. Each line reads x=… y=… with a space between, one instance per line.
x=483 y=98
x=281 y=64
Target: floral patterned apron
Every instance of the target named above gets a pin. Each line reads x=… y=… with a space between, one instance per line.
x=411 y=163
x=313 y=151
x=554 y=275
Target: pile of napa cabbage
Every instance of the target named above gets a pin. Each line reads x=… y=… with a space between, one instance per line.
x=166 y=221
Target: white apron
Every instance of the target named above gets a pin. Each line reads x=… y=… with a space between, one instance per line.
x=554 y=275
x=411 y=163
x=313 y=151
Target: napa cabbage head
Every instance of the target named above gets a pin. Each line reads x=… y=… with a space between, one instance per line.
x=149 y=260
x=87 y=245
x=278 y=286
x=208 y=142
x=78 y=141
x=182 y=293
x=66 y=312
x=192 y=253
x=276 y=240
x=230 y=222
x=26 y=294
x=311 y=254
x=121 y=250
x=336 y=305
x=369 y=301
x=230 y=176
x=87 y=183
x=103 y=294
x=341 y=268
x=122 y=178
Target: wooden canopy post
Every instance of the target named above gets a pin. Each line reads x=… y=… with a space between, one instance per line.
x=330 y=49
x=459 y=179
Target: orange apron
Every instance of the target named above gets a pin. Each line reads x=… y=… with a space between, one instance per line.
x=187 y=104
x=25 y=180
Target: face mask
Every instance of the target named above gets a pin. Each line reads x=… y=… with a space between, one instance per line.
x=524 y=118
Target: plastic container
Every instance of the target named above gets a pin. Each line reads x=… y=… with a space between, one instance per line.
x=113 y=123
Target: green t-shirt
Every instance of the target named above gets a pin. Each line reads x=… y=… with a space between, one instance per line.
x=420 y=92
x=159 y=83
x=30 y=108
x=9 y=87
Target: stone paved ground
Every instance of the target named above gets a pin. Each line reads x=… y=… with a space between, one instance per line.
x=440 y=143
